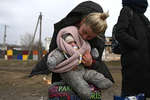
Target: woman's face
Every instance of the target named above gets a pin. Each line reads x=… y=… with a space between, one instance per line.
x=86 y=32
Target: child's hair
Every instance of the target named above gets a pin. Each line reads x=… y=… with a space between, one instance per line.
x=97 y=22
x=69 y=38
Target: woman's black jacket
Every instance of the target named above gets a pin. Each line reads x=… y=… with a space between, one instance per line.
x=73 y=18
x=134 y=37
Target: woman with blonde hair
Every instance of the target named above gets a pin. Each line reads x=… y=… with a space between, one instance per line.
x=67 y=58
x=87 y=16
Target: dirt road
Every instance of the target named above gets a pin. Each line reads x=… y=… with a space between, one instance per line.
x=15 y=84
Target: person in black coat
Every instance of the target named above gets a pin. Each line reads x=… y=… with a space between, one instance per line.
x=74 y=18
x=133 y=29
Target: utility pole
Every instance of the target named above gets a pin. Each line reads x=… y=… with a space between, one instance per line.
x=40 y=44
x=4 y=40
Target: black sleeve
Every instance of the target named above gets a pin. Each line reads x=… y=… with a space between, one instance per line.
x=123 y=24
x=41 y=67
x=99 y=44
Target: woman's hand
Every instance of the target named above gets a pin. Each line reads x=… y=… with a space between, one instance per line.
x=87 y=59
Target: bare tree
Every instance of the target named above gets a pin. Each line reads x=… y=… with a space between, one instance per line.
x=26 y=42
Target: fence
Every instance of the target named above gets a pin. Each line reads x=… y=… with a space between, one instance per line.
x=20 y=54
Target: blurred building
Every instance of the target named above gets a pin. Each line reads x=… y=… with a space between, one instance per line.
x=108 y=55
x=47 y=43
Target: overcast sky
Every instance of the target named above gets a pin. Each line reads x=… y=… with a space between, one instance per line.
x=21 y=16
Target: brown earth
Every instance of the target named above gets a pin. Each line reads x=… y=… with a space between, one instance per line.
x=15 y=84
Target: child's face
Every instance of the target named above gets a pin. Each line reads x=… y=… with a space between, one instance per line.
x=86 y=32
x=72 y=43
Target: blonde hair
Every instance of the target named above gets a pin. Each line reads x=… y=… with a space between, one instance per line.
x=97 y=22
